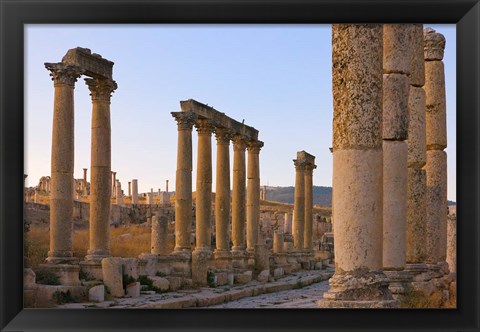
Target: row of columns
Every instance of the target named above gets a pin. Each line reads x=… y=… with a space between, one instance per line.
x=390 y=213
x=64 y=77
x=245 y=203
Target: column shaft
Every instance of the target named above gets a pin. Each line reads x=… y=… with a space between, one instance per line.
x=134 y=191
x=238 y=194
x=308 y=231
x=299 y=205
x=222 y=196
x=62 y=163
x=253 y=194
x=183 y=182
x=204 y=185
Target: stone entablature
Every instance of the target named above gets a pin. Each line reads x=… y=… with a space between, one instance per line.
x=93 y=64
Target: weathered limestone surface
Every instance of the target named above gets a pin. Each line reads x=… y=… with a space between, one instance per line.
x=395 y=106
x=100 y=176
x=394 y=204
x=134 y=191
x=62 y=162
x=416 y=215
x=396 y=48
x=222 y=193
x=452 y=243
x=238 y=194
x=417 y=152
x=204 y=184
x=308 y=229
x=113 y=275
x=357 y=53
x=436 y=117
x=434 y=46
x=287 y=225
x=417 y=64
x=277 y=242
x=159 y=240
x=200 y=266
x=183 y=183
x=253 y=193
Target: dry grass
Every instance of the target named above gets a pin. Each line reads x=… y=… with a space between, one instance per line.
x=417 y=300
x=121 y=244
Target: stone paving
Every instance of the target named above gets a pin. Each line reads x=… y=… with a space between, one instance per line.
x=298 y=290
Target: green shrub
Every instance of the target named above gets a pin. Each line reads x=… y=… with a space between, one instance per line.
x=211 y=279
x=63 y=297
x=127 y=280
x=46 y=277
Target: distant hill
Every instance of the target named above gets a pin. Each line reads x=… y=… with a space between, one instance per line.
x=321 y=195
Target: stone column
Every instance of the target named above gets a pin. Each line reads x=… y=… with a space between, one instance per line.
x=129 y=188
x=253 y=193
x=222 y=195
x=100 y=168
x=159 y=241
x=287 y=224
x=452 y=243
x=416 y=178
x=166 y=186
x=183 y=182
x=299 y=204
x=357 y=52
x=204 y=184
x=61 y=199
x=150 y=197
x=396 y=68
x=308 y=229
x=277 y=242
x=238 y=194
x=114 y=183
x=119 y=194
x=436 y=165
x=134 y=191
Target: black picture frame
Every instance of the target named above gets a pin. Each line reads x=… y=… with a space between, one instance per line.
x=15 y=13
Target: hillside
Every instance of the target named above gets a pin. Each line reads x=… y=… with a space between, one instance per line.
x=321 y=195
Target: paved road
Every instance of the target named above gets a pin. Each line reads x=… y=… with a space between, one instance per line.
x=295 y=298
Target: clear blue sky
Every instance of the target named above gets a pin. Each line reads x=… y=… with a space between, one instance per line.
x=276 y=77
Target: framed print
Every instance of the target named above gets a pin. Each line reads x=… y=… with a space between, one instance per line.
x=239 y=165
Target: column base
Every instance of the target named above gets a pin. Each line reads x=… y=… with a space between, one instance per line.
x=200 y=258
x=239 y=257
x=223 y=259
x=358 y=289
x=399 y=282
x=91 y=269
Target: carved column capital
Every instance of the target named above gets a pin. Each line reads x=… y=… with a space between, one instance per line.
x=254 y=146
x=239 y=143
x=300 y=165
x=223 y=135
x=64 y=74
x=185 y=120
x=434 y=45
x=101 y=89
x=309 y=167
x=204 y=126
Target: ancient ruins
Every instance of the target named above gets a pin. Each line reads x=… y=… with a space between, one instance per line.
x=392 y=233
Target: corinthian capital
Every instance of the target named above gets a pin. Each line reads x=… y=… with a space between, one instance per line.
x=254 y=146
x=64 y=74
x=185 y=120
x=223 y=135
x=239 y=143
x=300 y=165
x=204 y=126
x=309 y=167
x=434 y=44
x=101 y=89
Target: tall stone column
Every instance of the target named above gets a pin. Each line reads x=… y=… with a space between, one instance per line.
x=396 y=68
x=85 y=174
x=183 y=182
x=308 y=231
x=61 y=197
x=357 y=53
x=253 y=193
x=287 y=224
x=100 y=168
x=436 y=165
x=159 y=236
x=166 y=186
x=416 y=178
x=134 y=191
x=299 y=205
x=129 y=188
x=204 y=184
x=119 y=194
x=238 y=194
x=222 y=195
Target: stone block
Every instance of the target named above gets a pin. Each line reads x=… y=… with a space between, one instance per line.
x=29 y=278
x=417 y=128
x=130 y=267
x=395 y=106
x=396 y=48
x=436 y=116
x=278 y=273
x=175 y=283
x=434 y=45
x=262 y=261
x=161 y=283
x=113 y=275
x=318 y=266
x=222 y=278
x=417 y=62
x=243 y=278
x=96 y=293
x=416 y=215
x=133 y=289
x=200 y=267
x=67 y=273
x=263 y=276
x=231 y=279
